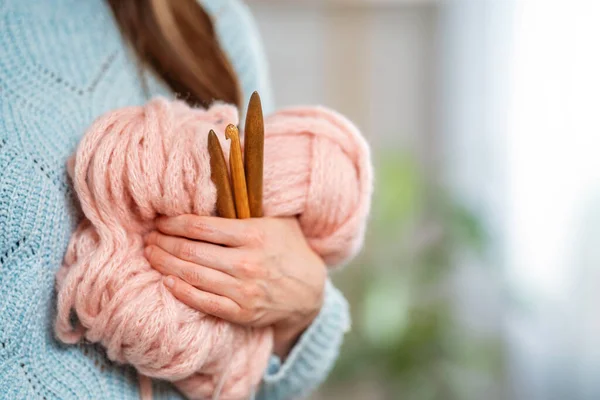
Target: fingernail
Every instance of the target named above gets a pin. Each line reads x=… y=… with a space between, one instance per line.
x=169 y=282
x=147 y=251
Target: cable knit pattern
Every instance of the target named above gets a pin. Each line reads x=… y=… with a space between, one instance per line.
x=62 y=64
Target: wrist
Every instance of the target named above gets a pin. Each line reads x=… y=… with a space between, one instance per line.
x=287 y=333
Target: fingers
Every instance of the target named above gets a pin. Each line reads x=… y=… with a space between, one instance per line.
x=205 y=302
x=228 y=232
x=206 y=279
x=205 y=254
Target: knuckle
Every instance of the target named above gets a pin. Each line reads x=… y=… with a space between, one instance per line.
x=199 y=227
x=245 y=316
x=186 y=249
x=246 y=267
x=248 y=293
x=158 y=258
x=188 y=224
x=252 y=296
x=183 y=291
x=214 y=307
x=237 y=287
x=190 y=275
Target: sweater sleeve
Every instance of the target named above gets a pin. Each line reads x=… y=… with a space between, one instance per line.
x=313 y=356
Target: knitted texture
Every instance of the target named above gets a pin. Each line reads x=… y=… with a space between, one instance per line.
x=137 y=163
x=63 y=64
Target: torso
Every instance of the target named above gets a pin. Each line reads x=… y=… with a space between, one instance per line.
x=62 y=64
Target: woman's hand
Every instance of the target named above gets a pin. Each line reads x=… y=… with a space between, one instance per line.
x=254 y=272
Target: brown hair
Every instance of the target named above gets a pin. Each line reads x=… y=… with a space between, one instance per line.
x=177 y=40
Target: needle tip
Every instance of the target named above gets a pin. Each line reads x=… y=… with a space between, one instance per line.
x=255 y=98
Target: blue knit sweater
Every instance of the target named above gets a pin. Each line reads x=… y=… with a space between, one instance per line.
x=62 y=64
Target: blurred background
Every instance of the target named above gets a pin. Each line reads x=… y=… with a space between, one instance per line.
x=480 y=273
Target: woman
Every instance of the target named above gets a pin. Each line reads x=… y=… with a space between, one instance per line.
x=62 y=64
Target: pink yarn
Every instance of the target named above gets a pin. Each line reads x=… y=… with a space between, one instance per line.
x=137 y=163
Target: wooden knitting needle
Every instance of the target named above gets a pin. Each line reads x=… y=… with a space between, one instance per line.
x=220 y=177
x=236 y=164
x=254 y=142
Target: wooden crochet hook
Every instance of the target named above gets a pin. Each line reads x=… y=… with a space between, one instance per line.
x=254 y=143
x=220 y=177
x=238 y=177
x=245 y=201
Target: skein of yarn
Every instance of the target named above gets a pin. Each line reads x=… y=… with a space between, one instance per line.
x=137 y=163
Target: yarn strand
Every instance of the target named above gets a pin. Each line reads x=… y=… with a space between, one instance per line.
x=137 y=163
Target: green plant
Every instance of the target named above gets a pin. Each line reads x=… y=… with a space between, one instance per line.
x=405 y=334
